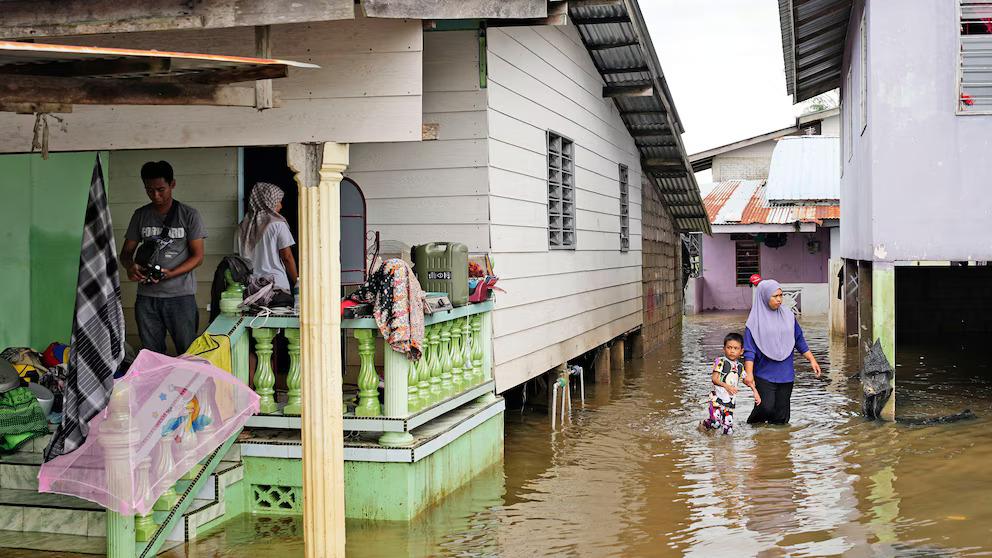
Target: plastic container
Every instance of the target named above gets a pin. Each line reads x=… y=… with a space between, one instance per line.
x=443 y=267
x=229 y=301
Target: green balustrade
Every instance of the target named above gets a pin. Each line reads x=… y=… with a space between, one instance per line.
x=144 y=525
x=414 y=402
x=164 y=463
x=424 y=372
x=294 y=404
x=368 y=380
x=265 y=379
x=467 y=375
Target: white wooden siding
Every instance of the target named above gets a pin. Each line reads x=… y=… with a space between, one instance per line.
x=561 y=303
x=207 y=180
x=368 y=88
x=434 y=190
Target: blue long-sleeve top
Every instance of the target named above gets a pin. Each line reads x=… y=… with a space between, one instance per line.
x=778 y=371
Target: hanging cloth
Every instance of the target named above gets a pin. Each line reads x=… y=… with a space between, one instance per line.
x=213 y=347
x=398 y=305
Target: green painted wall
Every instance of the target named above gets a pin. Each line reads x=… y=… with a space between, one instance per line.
x=41 y=230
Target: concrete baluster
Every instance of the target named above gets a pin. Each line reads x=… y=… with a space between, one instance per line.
x=368 y=380
x=413 y=401
x=294 y=405
x=477 y=375
x=457 y=357
x=162 y=464
x=424 y=371
x=265 y=379
x=144 y=525
x=437 y=393
x=447 y=387
x=468 y=377
x=486 y=338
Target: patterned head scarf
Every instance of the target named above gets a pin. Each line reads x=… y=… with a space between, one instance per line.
x=774 y=331
x=261 y=213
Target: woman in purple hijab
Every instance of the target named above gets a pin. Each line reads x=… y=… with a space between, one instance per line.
x=771 y=336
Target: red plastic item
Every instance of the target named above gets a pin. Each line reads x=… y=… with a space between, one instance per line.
x=755 y=279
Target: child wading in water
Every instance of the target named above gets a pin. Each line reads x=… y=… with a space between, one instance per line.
x=727 y=372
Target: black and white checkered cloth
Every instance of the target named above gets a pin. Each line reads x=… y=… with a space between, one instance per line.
x=97 y=346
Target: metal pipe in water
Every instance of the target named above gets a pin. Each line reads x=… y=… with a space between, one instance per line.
x=554 y=404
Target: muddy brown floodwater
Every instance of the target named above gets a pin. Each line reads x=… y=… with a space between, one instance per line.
x=631 y=475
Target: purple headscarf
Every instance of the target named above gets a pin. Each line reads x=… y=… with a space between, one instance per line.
x=774 y=331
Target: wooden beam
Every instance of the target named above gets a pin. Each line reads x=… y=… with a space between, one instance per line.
x=263 y=49
x=91 y=68
x=456 y=9
x=216 y=77
x=612 y=91
x=52 y=18
x=32 y=108
x=95 y=91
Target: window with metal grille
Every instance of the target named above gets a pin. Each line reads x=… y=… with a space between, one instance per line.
x=748 y=261
x=561 y=192
x=624 y=210
x=975 y=57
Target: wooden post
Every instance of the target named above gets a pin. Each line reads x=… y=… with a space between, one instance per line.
x=318 y=172
x=118 y=438
x=851 y=302
x=263 y=49
x=883 y=303
x=601 y=365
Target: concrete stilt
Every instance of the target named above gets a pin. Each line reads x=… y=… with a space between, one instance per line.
x=617 y=354
x=601 y=365
x=637 y=345
x=883 y=302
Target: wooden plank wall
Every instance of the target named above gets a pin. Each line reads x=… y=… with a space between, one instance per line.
x=434 y=190
x=368 y=88
x=559 y=304
x=206 y=179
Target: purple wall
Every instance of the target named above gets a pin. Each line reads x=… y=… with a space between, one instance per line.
x=791 y=263
x=921 y=192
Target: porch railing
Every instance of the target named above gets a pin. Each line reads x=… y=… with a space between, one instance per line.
x=456 y=368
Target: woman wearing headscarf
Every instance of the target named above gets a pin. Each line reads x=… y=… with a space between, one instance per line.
x=264 y=238
x=771 y=336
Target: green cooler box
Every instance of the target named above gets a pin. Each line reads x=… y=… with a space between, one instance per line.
x=443 y=267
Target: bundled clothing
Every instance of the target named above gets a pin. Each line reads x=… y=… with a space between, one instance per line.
x=398 y=302
x=722 y=404
x=21 y=418
x=241 y=271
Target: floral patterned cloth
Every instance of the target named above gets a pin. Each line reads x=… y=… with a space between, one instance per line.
x=398 y=303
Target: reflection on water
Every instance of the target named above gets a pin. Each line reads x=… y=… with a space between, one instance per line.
x=632 y=476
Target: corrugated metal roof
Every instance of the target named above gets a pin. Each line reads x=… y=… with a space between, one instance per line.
x=813 y=36
x=743 y=202
x=619 y=44
x=805 y=169
x=19 y=54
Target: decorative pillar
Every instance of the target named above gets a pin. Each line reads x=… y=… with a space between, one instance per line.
x=265 y=379
x=437 y=393
x=294 y=405
x=447 y=387
x=118 y=437
x=457 y=382
x=397 y=371
x=883 y=304
x=368 y=380
x=319 y=169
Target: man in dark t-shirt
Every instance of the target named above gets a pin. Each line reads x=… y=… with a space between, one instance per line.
x=165 y=304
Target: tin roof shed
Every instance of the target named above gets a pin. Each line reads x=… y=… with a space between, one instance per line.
x=805 y=170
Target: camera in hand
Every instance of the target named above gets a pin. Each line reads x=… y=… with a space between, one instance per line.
x=154 y=273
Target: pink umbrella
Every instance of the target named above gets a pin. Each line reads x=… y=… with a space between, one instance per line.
x=165 y=415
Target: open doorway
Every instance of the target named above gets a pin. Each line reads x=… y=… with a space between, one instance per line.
x=943 y=306
x=269 y=164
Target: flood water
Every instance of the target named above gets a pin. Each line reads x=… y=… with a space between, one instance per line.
x=631 y=475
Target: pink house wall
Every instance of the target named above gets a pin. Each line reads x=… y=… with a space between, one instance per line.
x=791 y=263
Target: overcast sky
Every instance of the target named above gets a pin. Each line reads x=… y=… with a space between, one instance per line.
x=723 y=63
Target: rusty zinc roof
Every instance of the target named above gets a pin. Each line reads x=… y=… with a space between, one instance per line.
x=743 y=202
